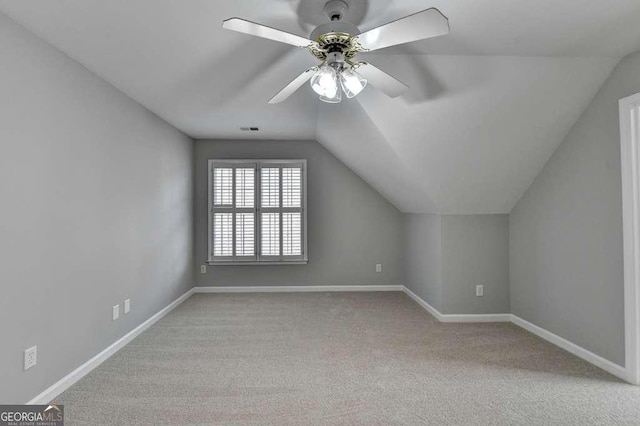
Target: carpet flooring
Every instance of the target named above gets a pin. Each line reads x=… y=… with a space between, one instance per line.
x=338 y=359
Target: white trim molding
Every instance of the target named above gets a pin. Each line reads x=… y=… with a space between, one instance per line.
x=456 y=317
x=476 y=317
x=579 y=351
x=433 y=311
x=630 y=167
x=297 y=288
x=563 y=343
x=352 y=288
x=63 y=384
x=67 y=381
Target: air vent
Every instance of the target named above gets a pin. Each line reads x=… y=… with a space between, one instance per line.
x=250 y=129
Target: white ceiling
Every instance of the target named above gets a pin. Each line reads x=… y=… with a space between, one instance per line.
x=488 y=104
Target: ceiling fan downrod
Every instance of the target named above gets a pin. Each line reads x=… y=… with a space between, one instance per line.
x=336 y=35
x=335 y=10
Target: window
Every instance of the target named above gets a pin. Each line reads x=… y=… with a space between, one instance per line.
x=257 y=211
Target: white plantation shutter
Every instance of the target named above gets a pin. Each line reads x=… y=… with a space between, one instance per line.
x=270 y=187
x=245 y=202
x=270 y=234
x=234 y=211
x=223 y=180
x=292 y=214
x=292 y=187
x=222 y=234
x=282 y=211
x=245 y=235
x=245 y=187
x=257 y=211
x=291 y=234
x=270 y=212
x=222 y=219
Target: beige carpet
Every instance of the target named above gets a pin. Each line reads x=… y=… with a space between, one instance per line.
x=341 y=358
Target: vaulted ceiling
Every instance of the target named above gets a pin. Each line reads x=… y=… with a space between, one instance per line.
x=488 y=103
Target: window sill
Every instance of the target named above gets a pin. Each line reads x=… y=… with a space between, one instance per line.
x=291 y=262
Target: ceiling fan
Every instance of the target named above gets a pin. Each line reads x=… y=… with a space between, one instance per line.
x=337 y=43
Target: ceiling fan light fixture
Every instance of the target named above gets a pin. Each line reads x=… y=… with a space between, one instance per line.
x=335 y=99
x=325 y=82
x=352 y=83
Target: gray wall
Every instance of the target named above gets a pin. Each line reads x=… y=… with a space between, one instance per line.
x=566 y=231
x=446 y=256
x=96 y=207
x=475 y=250
x=351 y=226
x=423 y=257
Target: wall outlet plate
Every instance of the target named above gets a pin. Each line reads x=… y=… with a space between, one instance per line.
x=116 y=312
x=30 y=357
x=378 y=267
x=127 y=306
x=203 y=269
x=479 y=290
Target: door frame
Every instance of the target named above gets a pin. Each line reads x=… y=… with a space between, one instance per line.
x=630 y=162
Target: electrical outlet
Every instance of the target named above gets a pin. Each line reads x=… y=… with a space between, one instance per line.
x=479 y=290
x=203 y=269
x=30 y=357
x=116 y=312
x=378 y=267
x=127 y=306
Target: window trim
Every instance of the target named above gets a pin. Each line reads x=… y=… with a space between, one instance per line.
x=258 y=164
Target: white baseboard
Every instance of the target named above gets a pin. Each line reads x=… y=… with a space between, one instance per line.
x=476 y=318
x=456 y=318
x=561 y=342
x=297 y=289
x=568 y=346
x=433 y=311
x=63 y=384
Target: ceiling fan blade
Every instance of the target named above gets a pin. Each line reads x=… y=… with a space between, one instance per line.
x=419 y=26
x=258 y=30
x=293 y=86
x=381 y=80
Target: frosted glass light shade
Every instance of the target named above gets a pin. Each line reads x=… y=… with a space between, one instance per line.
x=335 y=99
x=352 y=83
x=325 y=82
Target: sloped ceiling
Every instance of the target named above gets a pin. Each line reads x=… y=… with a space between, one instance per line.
x=488 y=104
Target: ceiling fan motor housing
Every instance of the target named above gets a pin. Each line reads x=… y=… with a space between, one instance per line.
x=335 y=27
x=336 y=36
